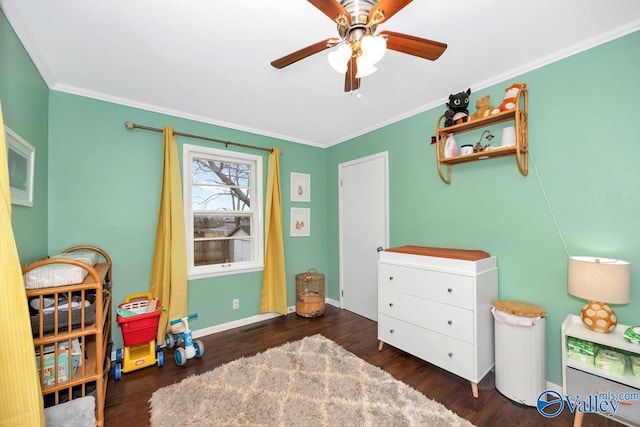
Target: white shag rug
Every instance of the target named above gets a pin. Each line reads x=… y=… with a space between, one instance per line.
x=311 y=382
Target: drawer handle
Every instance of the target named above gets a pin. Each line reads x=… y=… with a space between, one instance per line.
x=450 y=354
x=450 y=322
x=391 y=331
x=390 y=304
x=390 y=277
x=450 y=290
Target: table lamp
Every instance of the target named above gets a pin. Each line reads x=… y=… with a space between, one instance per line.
x=601 y=281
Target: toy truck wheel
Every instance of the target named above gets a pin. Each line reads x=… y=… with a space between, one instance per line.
x=117 y=372
x=160 y=359
x=118 y=355
x=181 y=356
x=169 y=341
x=199 y=348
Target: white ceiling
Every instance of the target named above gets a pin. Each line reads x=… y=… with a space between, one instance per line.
x=209 y=60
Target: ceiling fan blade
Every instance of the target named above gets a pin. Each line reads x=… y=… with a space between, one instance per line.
x=385 y=9
x=427 y=49
x=333 y=10
x=303 y=53
x=351 y=82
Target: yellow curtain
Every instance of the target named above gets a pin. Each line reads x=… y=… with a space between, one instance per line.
x=274 y=281
x=21 y=401
x=169 y=271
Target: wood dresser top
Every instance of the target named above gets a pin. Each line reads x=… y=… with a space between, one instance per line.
x=463 y=254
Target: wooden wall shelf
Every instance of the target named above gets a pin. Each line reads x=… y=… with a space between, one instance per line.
x=519 y=117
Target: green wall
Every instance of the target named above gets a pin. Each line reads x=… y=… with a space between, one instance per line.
x=25 y=105
x=104 y=188
x=584 y=144
x=103 y=185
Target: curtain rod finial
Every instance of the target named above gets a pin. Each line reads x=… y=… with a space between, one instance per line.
x=129 y=125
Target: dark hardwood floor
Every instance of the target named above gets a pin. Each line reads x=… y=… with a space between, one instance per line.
x=127 y=399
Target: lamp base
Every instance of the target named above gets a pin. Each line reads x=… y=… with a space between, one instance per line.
x=598 y=317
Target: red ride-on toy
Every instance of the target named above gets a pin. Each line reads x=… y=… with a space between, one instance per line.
x=138 y=319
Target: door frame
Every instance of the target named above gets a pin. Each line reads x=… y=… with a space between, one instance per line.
x=385 y=156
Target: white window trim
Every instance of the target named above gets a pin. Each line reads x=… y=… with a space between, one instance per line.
x=190 y=151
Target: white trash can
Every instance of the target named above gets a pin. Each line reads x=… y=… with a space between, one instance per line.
x=520 y=368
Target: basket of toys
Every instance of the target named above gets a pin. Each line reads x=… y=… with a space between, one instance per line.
x=310 y=294
x=138 y=319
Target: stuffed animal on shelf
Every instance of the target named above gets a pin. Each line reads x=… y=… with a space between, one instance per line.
x=483 y=107
x=457 y=108
x=510 y=98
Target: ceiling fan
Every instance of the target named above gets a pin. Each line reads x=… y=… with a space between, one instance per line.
x=359 y=48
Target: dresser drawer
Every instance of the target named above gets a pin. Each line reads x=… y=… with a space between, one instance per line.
x=451 y=321
x=452 y=289
x=580 y=383
x=448 y=353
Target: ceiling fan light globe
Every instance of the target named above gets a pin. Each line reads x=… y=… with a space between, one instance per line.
x=339 y=58
x=365 y=68
x=373 y=48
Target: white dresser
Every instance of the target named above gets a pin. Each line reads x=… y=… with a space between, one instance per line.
x=435 y=303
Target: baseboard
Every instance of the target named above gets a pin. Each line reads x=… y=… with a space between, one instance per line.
x=333 y=302
x=242 y=322
x=554 y=387
x=235 y=324
x=249 y=320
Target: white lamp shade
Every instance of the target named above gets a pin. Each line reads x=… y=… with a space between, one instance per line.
x=364 y=68
x=373 y=48
x=339 y=58
x=599 y=279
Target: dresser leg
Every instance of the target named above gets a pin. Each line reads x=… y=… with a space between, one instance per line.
x=380 y=345
x=577 y=420
x=474 y=389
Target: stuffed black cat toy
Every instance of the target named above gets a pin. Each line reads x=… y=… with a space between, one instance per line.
x=458 y=103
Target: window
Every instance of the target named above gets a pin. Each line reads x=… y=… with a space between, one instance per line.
x=223 y=211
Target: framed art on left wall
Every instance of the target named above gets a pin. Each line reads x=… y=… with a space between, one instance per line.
x=300 y=187
x=21 y=159
x=300 y=222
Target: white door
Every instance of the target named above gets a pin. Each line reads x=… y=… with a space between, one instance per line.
x=364 y=227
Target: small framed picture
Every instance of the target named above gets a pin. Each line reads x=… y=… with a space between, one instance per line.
x=300 y=187
x=300 y=222
x=21 y=157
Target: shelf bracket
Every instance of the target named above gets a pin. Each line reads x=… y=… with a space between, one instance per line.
x=522 y=146
x=447 y=180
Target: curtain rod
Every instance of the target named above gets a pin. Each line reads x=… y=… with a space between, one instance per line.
x=130 y=125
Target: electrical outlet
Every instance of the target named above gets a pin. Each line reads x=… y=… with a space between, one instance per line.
x=236 y=304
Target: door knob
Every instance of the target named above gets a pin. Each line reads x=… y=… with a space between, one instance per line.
x=379 y=249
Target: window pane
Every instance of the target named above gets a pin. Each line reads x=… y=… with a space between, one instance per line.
x=207 y=252
x=224 y=213
x=225 y=173
x=214 y=198
x=206 y=225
